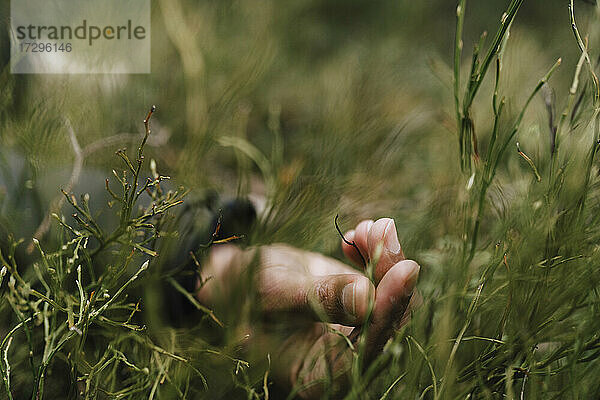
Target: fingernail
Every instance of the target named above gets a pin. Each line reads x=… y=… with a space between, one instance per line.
x=412 y=274
x=349 y=299
x=390 y=238
x=369 y=225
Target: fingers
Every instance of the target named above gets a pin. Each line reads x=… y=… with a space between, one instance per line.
x=393 y=296
x=383 y=235
x=369 y=236
x=352 y=252
x=339 y=298
x=323 y=371
x=359 y=237
x=362 y=232
x=329 y=358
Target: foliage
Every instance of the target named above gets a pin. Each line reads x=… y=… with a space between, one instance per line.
x=356 y=121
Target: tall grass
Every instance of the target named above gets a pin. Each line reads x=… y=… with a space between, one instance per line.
x=362 y=122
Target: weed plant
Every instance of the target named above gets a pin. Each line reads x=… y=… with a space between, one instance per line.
x=503 y=216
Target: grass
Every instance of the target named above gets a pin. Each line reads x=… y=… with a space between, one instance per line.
x=488 y=164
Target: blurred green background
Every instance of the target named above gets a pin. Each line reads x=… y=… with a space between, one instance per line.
x=315 y=108
x=360 y=93
x=343 y=81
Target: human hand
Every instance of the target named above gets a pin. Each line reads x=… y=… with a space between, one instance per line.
x=314 y=288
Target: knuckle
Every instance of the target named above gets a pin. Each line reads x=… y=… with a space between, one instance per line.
x=326 y=299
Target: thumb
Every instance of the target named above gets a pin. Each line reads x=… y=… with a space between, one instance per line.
x=340 y=298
